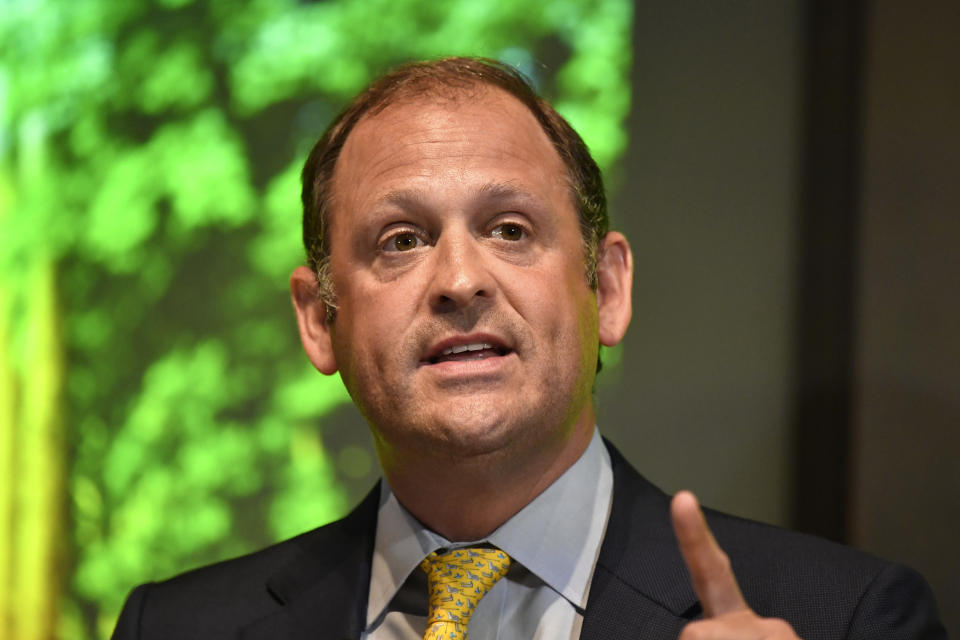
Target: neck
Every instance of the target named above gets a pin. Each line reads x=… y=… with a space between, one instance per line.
x=487 y=489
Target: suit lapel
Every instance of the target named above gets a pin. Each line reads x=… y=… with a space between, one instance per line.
x=323 y=591
x=640 y=588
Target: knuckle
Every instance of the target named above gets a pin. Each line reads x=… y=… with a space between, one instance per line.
x=777 y=628
x=692 y=631
x=723 y=561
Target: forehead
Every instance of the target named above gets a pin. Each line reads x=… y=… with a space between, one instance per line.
x=481 y=135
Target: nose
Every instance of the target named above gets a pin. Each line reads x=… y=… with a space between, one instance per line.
x=461 y=274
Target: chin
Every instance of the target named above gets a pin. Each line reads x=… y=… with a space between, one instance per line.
x=477 y=430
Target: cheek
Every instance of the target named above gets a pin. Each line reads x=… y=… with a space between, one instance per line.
x=373 y=384
x=580 y=334
x=374 y=346
x=565 y=316
x=364 y=347
x=576 y=323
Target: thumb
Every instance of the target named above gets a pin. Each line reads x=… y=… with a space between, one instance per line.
x=710 y=571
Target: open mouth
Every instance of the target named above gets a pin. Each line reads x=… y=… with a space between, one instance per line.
x=467 y=351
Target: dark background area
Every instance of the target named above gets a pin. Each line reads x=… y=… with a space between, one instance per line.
x=791 y=195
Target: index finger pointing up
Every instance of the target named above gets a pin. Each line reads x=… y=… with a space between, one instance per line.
x=709 y=566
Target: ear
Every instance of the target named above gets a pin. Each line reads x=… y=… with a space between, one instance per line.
x=312 y=320
x=614 y=288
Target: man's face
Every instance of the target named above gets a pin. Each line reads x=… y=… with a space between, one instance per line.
x=465 y=322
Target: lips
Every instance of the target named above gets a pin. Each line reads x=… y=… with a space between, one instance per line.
x=463 y=348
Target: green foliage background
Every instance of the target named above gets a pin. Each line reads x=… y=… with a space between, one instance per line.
x=155 y=410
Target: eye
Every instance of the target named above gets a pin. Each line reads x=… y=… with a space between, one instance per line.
x=509 y=231
x=403 y=241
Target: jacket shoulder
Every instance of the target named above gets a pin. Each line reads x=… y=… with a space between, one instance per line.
x=823 y=588
x=764 y=551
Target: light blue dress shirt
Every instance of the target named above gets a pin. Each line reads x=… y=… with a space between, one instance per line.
x=554 y=542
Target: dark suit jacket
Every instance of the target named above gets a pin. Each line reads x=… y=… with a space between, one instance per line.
x=315 y=585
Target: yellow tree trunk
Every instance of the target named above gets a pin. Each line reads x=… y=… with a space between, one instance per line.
x=32 y=467
x=8 y=445
x=33 y=538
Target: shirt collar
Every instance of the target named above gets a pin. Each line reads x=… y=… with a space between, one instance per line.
x=556 y=537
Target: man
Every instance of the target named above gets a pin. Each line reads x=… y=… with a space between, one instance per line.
x=461 y=280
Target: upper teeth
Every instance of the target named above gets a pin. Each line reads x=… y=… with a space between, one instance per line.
x=460 y=348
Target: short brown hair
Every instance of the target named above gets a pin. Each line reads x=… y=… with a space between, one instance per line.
x=448 y=77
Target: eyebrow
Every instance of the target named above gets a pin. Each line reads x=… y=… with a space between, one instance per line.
x=406 y=198
x=503 y=191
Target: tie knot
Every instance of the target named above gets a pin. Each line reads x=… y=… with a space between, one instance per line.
x=457 y=580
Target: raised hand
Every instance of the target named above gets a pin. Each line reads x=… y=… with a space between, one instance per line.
x=726 y=615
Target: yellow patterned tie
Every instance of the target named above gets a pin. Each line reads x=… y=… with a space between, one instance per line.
x=458 y=579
